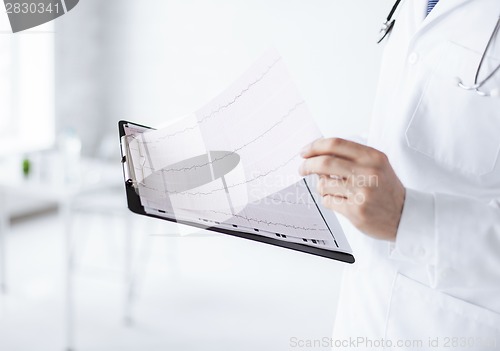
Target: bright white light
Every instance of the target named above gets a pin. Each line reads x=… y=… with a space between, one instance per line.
x=26 y=88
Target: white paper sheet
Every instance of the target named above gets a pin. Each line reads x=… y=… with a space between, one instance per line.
x=227 y=162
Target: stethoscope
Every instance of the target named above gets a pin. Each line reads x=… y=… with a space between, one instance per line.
x=388 y=25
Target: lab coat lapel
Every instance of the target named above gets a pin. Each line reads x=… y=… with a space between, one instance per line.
x=442 y=9
x=459 y=33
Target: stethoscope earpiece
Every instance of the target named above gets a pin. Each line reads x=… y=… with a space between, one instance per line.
x=386 y=29
x=389 y=23
x=461 y=84
x=493 y=93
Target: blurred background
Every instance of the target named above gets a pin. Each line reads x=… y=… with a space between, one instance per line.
x=77 y=270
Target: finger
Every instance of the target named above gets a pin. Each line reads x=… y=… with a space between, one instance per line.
x=335 y=147
x=334 y=187
x=335 y=203
x=327 y=165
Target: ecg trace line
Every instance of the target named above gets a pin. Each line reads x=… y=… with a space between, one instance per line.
x=225 y=106
x=223 y=188
x=229 y=153
x=241 y=183
x=263 y=221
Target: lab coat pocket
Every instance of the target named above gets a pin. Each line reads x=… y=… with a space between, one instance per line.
x=418 y=313
x=458 y=129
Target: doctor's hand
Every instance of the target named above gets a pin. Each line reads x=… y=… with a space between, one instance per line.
x=358 y=182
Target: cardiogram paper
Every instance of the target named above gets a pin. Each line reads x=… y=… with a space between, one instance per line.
x=238 y=149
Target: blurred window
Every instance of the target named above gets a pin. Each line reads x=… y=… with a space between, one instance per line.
x=26 y=88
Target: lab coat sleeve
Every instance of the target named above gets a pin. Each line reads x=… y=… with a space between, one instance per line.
x=454 y=236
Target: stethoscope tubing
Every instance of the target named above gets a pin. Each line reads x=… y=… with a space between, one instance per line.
x=388 y=25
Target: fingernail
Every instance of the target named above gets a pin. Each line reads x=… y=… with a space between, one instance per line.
x=305 y=150
x=301 y=169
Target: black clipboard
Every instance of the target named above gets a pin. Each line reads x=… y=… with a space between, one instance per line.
x=134 y=205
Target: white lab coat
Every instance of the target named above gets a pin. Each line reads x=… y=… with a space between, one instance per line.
x=440 y=280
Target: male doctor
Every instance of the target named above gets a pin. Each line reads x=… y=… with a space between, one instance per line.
x=427 y=275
